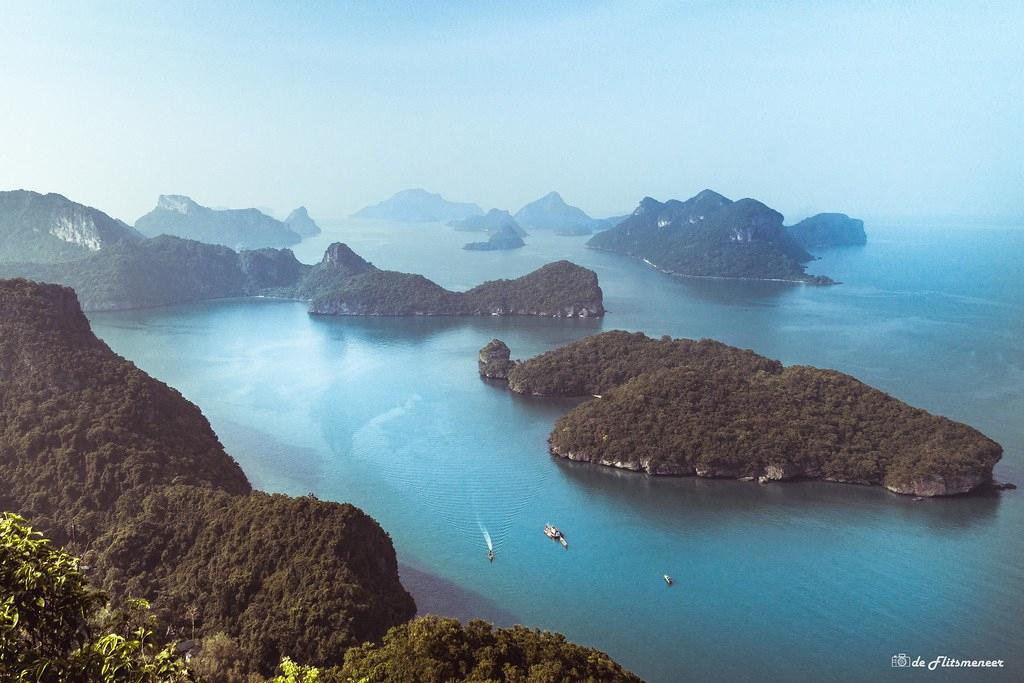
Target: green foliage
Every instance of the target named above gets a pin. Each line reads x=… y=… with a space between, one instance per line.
x=81 y=427
x=47 y=613
x=729 y=421
x=290 y=672
x=597 y=363
x=557 y=289
x=283 y=576
x=438 y=650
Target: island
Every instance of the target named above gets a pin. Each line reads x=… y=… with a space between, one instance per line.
x=301 y=224
x=418 y=206
x=491 y=222
x=180 y=216
x=345 y=284
x=505 y=237
x=166 y=270
x=50 y=228
x=683 y=407
x=121 y=470
x=550 y=212
x=826 y=230
x=494 y=360
x=710 y=236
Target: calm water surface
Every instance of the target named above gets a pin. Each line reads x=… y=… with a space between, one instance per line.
x=801 y=582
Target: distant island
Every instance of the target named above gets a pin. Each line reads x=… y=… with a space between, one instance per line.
x=50 y=228
x=166 y=270
x=491 y=222
x=828 y=230
x=180 y=216
x=301 y=224
x=345 y=284
x=504 y=237
x=418 y=206
x=682 y=407
x=709 y=235
x=550 y=212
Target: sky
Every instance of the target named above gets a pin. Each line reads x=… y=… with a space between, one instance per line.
x=883 y=109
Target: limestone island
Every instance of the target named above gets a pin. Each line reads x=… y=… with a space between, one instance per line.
x=180 y=216
x=703 y=408
x=826 y=230
x=710 y=236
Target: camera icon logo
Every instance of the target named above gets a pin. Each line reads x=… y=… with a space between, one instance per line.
x=900 y=661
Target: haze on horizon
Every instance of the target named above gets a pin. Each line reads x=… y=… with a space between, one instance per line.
x=861 y=107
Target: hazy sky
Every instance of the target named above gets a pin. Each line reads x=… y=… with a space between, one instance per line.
x=875 y=109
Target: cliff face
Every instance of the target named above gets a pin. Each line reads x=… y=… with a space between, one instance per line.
x=709 y=235
x=52 y=229
x=829 y=230
x=559 y=290
x=179 y=216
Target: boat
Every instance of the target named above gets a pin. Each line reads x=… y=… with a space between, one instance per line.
x=555 y=534
x=490 y=555
x=668 y=579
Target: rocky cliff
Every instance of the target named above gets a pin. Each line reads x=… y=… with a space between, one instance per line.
x=53 y=229
x=494 y=361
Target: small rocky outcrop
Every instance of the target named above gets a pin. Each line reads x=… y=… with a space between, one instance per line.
x=829 y=230
x=495 y=360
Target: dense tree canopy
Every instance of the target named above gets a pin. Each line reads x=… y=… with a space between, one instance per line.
x=595 y=364
x=438 y=650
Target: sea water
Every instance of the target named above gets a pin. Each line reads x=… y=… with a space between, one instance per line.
x=802 y=581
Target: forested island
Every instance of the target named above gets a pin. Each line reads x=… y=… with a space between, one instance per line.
x=124 y=472
x=709 y=235
x=826 y=230
x=684 y=407
x=180 y=216
x=345 y=284
x=166 y=270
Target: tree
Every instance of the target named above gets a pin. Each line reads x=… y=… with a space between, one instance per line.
x=48 y=618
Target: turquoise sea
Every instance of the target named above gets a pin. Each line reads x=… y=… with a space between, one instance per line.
x=789 y=582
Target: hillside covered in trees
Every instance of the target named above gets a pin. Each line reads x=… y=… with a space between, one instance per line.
x=560 y=289
x=122 y=470
x=709 y=235
x=681 y=407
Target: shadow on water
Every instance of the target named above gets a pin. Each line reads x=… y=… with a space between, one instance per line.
x=711 y=502
x=435 y=595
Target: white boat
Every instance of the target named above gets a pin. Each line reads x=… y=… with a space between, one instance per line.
x=555 y=534
x=668 y=579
